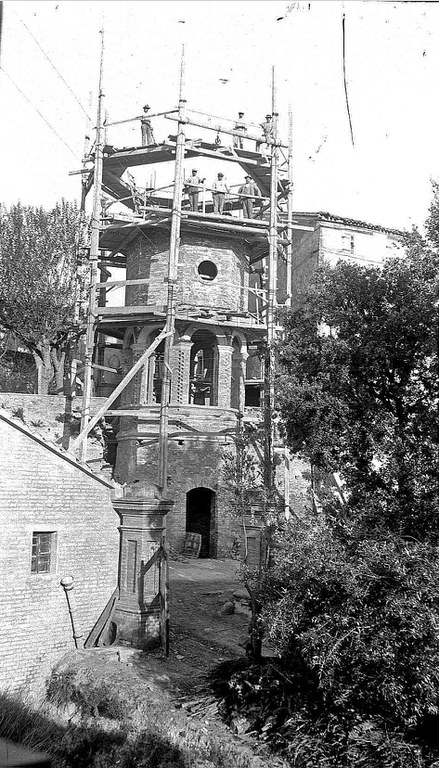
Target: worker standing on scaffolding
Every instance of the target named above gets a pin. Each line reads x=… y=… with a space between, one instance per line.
x=219 y=190
x=192 y=186
x=147 y=132
x=238 y=141
x=267 y=129
x=248 y=191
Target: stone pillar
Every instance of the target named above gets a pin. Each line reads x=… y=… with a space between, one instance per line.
x=142 y=513
x=253 y=554
x=224 y=375
x=180 y=364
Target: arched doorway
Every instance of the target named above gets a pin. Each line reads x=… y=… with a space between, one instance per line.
x=200 y=518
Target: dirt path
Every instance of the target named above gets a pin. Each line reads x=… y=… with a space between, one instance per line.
x=200 y=636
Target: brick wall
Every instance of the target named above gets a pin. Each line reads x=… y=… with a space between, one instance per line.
x=148 y=258
x=194 y=461
x=42 y=491
x=44 y=415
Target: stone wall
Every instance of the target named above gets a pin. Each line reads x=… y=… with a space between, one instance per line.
x=43 y=491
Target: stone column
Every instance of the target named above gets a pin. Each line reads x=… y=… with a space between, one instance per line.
x=180 y=363
x=224 y=375
x=137 y=616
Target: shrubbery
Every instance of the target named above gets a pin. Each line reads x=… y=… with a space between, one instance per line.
x=351 y=597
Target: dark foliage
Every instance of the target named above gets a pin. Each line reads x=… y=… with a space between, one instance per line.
x=351 y=598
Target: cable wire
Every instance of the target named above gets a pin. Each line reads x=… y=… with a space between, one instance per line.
x=344 y=78
x=75 y=155
x=54 y=67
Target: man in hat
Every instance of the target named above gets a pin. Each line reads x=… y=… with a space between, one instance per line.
x=248 y=191
x=219 y=189
x=267 y=129
x=146 y=127
x=192 y=186
x=238 y=141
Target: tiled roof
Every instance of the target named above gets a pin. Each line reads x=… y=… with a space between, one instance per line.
x=330 y=217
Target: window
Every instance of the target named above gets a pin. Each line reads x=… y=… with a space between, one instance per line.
x=207 y=270
x=348 y=243
x=253 y=397
x=43 y=551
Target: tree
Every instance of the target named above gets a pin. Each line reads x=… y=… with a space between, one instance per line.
x=38 y=285
x=351 y=600
x=360 y=389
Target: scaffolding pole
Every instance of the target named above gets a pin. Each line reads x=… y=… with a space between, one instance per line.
x=174 y=246
x=94 y=257
x=172 y=280
x=290 y=199
x=271 y=300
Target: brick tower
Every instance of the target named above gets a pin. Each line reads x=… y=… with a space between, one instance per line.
x=181 y=359
x=216 y=371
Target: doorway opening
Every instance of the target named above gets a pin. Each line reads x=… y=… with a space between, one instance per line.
x=200 y=518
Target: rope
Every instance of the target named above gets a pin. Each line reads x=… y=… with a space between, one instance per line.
x=75 y=155
x=53 y=66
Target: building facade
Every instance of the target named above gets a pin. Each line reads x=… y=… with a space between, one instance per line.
x=336 y=238
x=217 y=358
x=57 y=521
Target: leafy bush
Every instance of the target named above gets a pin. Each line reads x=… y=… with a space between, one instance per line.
x=362 y=616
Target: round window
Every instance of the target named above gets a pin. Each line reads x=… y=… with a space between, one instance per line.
x=207 y=270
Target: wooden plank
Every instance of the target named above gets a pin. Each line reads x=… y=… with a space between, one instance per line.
x=102 y=368
x=124 y=311
x=102 y=620
x=139 y=117
x=143 y=359
x=121 y=283
x=218 y=128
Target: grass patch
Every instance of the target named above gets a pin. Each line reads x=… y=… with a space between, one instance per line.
x=108 y=716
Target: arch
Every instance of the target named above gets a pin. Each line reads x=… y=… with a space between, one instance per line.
x=203 y=373
x=254 y=376
x=149 y=333
x=154 y=369
x=236 y=374
x=129 y=338
x=200 y=518
x=215 y=330
x=241 y=340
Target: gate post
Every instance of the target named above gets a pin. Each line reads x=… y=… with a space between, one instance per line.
x=253 y=541
x=139 y=610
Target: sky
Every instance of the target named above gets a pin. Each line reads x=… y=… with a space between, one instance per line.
x=231 y=46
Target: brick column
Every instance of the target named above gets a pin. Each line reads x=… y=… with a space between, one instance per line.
x=224 y=375
x=180 y=363
x=126 y=361
x=137 y=614
x=244 y=358
x=139 y=382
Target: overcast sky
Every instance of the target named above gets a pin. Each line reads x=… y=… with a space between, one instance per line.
x=392 y=67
